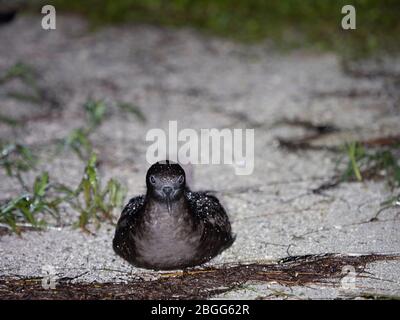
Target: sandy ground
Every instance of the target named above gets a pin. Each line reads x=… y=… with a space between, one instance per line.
x=205 y=83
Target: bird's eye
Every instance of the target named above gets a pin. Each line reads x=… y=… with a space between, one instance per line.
x=152 y=180
x=181 y=179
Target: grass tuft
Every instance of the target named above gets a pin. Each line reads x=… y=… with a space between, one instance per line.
x=78 y=141
x=90 y=199
x=21 y=71
x=15 y=159
x=93 y=202
x=96 y=112
x=133 y=109
x=372 y=163
x=26 y=207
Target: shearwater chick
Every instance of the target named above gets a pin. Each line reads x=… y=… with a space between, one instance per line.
x=171 y=227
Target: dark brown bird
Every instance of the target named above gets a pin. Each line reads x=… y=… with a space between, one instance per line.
x=171 y=227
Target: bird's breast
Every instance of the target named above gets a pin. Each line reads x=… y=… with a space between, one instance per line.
x=167 y=238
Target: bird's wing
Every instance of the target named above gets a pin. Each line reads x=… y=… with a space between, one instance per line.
x=209 y=213
x=126 y=221
x=209 y=210
x=133 y=206
x=129 y=213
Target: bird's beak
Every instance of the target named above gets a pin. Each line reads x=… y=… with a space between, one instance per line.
x=169 y=204
x=168 y=191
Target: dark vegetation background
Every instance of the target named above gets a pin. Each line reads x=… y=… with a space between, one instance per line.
x=290 y=23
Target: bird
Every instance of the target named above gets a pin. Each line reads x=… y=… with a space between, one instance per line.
x=171 y=227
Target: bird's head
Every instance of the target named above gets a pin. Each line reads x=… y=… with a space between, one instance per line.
x=166 y=181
